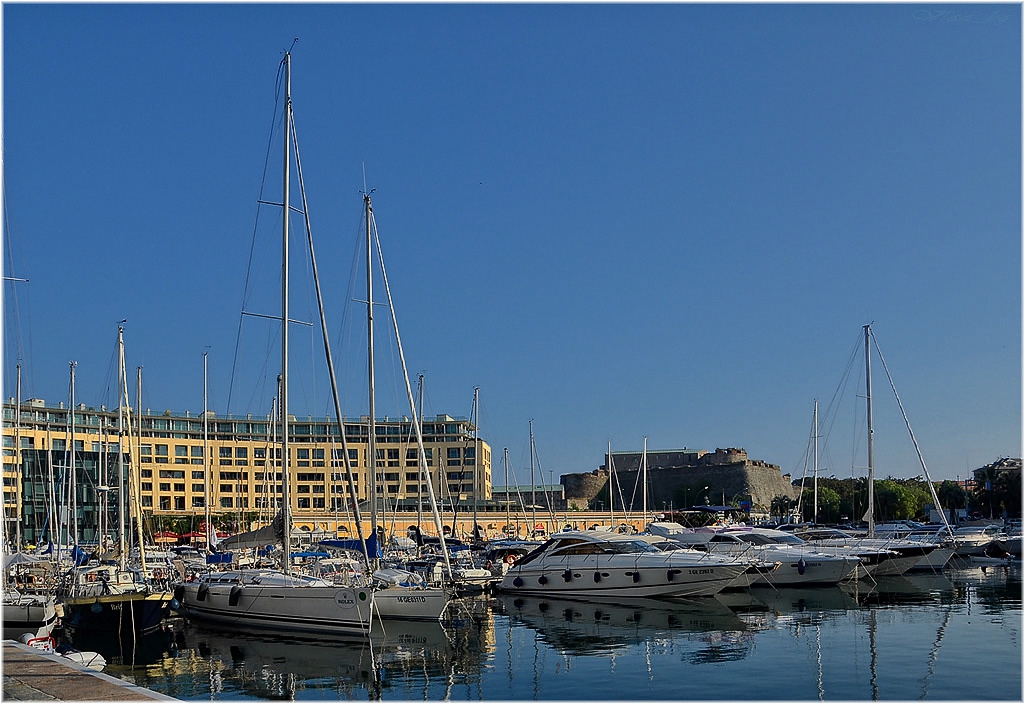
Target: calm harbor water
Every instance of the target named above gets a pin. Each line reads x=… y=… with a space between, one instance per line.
x=950 y=636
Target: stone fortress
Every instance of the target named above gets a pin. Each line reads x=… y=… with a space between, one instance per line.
x=678 y=479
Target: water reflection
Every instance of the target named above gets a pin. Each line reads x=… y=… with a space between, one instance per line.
x=198 y=662
x=592 y=627
x=817 y=643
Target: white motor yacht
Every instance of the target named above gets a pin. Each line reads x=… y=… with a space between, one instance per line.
x=593 y=563
x=797 y=564
x=908 y=552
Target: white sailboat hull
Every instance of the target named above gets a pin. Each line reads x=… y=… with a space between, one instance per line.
x=260 y=601
x=411 y=604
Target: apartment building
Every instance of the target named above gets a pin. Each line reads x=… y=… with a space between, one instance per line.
x=178 y=463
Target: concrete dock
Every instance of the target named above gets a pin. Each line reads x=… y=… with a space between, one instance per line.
x=31 y=674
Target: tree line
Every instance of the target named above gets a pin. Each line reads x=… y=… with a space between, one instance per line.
x=846 y=500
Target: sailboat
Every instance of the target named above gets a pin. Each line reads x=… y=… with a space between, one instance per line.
x=909 y=553
x=280 y=600
x=401 y=598
x=113 y=596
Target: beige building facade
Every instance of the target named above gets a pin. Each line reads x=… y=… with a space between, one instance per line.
x=178 y=464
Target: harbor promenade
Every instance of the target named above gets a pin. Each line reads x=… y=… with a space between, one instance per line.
x=33 y=675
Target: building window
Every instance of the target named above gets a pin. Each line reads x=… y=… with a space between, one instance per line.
x=318 y=502
x=197 y=474
x=197 y=489
x=225 y=502
x=242 y=452
x=165 y=486
x=197 y=450
x=180 y=488
x=179 y=503
x=304 y=502
x=198 y=502
x=226 y=488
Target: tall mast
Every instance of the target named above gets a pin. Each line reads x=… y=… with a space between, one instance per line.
x=73 y=489
x=135 y=484
x=206 y=465
x=286 y=503
x=476 y=390
x=372 y=422
x=505 y=459
x=122 y=394
x=871 y=448
x=612 y=469
x=533 y=484
x=644 y=482
x=815 y=465
x=420 y=484
x=19 y=474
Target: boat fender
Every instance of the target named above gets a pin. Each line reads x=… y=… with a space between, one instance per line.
x=542 y=580
x=597 y=577
x=202 y=592
x=567 y=575
x=234 y=595
x=96 y=608
x=567 y=615
x=179 y=593
x=517 y=582
x=542 y=607
x=671 y=573
x=801 y=566
x=636 y=576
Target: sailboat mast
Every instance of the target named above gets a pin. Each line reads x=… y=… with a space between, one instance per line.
x=508 y=503
x=533 y=484
x=420 y=484
x=612 y=470
x=815 y=466
x=371 y=423
x=644 y=483
x=871 y=448
x=285 y=498
x=206 y=464
x=122 y=394
x=476 y=422
x=73 y=487
x=19 y=474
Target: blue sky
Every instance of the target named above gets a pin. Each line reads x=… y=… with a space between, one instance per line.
x=620 y=221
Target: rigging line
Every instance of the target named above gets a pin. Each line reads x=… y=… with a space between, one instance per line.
x=275 y=115
x=918 y=450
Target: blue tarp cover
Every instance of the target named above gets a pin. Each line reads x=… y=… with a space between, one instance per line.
x=219 y=558
x=373 y=548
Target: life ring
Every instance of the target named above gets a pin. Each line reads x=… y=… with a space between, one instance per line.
x=158 y=573
x=510 y=559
